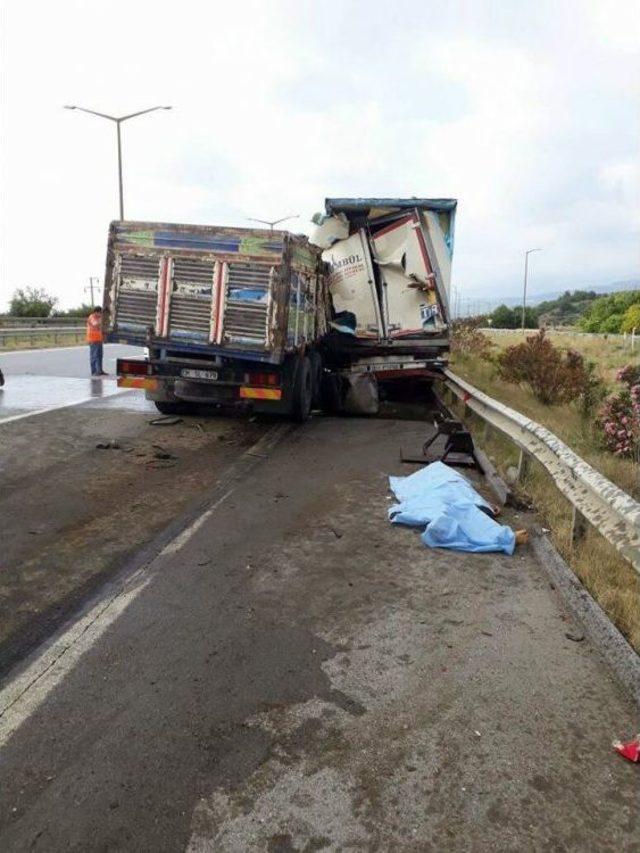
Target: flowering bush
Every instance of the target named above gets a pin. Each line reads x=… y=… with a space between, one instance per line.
x=620 y=415
x=629 y=375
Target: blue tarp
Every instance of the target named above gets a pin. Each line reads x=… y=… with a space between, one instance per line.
x=449 y=506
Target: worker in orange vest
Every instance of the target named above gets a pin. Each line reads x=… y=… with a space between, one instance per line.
x=94 y=339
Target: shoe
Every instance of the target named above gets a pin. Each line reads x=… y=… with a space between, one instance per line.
x=103 y=373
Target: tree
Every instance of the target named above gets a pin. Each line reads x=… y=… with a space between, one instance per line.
x=631 y=318
x=606 y=313
x=511 y=318
x=81 y=311
x=502 y=318
x=32 y=302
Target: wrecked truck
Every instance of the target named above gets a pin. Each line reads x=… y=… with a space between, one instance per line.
x=278 y=322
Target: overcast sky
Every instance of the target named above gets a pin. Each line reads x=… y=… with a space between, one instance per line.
x=527 y=113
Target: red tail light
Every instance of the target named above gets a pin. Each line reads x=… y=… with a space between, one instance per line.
x=261 y=379
x=138 y=368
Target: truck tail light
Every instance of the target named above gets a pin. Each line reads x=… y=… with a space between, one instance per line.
x=137 y=368
x=268 y=379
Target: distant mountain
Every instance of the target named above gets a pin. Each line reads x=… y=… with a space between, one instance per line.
x=536 y=298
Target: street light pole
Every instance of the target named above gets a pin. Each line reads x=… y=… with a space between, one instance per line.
x=524 y=289
x=273 y=222
x=121 y=194
x=118 y=120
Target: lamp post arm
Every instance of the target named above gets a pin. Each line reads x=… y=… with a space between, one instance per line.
x=93 y=113
x=141 y=113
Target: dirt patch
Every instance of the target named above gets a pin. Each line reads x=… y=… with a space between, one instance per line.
x=92 y=490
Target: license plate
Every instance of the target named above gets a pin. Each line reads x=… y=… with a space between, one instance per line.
x=199 y=374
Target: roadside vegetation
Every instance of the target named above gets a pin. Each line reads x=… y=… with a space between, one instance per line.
x=586 y=391
x=585 y=310
x=30 y=306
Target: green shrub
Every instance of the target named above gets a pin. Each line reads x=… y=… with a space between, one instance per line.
x=551 y=375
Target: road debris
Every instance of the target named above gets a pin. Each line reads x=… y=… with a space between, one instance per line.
x=113 y=444
x=574 y=636
x=629 y=750
x=168 y=420
x=160 y=453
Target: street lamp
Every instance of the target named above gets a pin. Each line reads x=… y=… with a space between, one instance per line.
x=526 y=274
x=274 y=221
x=118 y=120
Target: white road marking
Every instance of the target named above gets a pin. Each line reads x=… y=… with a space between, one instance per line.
x=50 y=665
x=24 y=695
x=182 y=538
x=63 y=406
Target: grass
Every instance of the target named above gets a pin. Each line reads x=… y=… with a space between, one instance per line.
x=62 y=339
x=609 y=578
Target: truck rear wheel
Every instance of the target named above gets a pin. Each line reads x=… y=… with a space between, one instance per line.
x=302 y=397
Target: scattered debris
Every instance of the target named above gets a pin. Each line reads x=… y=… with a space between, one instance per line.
x=459 y=448
x=574 y=636
x=113 y=444
x=629 y=750
x=161 y=453
x=167 y=420
x=487 y=633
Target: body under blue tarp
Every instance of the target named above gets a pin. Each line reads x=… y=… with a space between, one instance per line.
x=451 y=510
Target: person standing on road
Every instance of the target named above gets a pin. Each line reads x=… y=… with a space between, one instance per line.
x=94 y=339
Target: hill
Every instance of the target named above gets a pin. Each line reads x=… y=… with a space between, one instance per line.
x=566 y=310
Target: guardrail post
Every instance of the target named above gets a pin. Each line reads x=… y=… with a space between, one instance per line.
x=578 y=525
x=523 y=465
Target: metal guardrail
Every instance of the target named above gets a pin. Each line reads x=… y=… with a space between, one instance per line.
x=9 y=322
x=21 y=334
x=596 y=500
x=556 y=330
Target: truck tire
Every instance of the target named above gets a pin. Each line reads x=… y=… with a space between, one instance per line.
x=316 y=374
x=302 y=397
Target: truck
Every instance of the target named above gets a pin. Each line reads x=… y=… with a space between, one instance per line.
x=281 y=322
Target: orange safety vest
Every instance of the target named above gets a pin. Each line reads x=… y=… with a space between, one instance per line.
x=94 y=328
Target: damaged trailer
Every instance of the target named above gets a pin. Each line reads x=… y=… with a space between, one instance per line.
x=229 y=316
x=388 y=282
x=279 y=322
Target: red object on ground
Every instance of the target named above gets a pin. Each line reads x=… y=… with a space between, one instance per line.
x=630 y=750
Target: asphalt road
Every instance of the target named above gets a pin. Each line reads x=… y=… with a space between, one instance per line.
x=49 y=378
x=290 y=672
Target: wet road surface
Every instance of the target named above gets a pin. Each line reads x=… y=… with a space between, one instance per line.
x=290 y=672
x=39 y=380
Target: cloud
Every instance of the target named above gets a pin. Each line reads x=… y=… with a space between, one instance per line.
x=526 y=113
